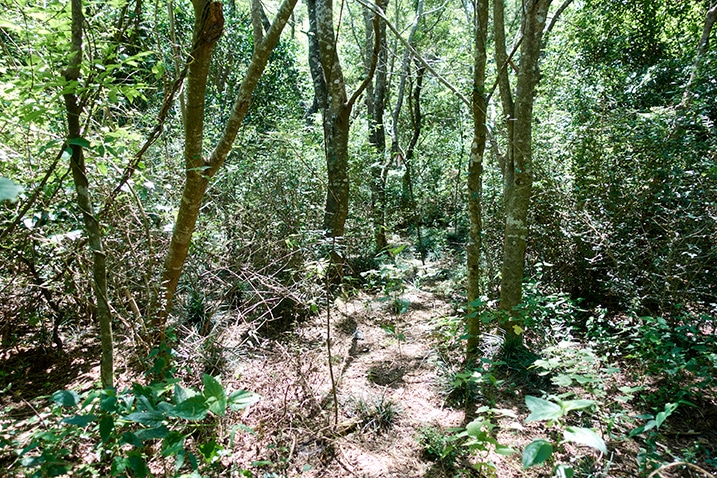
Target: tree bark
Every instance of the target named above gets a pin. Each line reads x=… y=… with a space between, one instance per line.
x=519 y=168
x=207 y=30
x=84 y=201
x=475 y=176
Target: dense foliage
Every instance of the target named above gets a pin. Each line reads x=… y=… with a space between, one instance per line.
x=621 y=265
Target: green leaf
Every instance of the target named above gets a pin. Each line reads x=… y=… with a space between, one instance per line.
x=569 y=405
x=173 y=443
x=107 y=425
x=131 y=439
x=563 y=471
x=584 y=436
x=150 y=419
x=9 y=190
x=155 y=433
x=662 y=416
x=108 y=404
x=66 y=398
x=138 y=464
x=562 y=380
x=209 y=451
x=240 y=399
x=82 y=142
x=504 y=450
x=537 y=452
x=194 y=408
x=181 y=394
x=215 y=395
x=80 y=420
x=542 y=409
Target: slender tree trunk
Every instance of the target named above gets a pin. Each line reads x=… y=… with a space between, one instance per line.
x=414 y=107
x=475 y=175
x=519 y=169
x=207 y=30
x=395 y=132
x=84 y=201
x=375 y=105
x=336 y=117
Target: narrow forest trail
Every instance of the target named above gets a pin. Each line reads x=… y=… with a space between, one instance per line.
x=386 y=369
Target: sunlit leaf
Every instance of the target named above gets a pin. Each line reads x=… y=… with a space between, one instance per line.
x=542 y=409
x=584 y=436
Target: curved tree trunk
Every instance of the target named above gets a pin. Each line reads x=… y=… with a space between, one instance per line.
x=208 y=27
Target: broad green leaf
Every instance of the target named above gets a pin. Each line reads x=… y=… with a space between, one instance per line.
x=662 y=416
x=569 y=405
x=131 y=439
x=155 y=433
x=66 y=398
x=209 y=451
x=537 y=452
x=173 y=443
x=138 y=464
x=240 y=399
x=476 y=427
x=108 y=404
x=107 y=425
x=194 y=408
x=78 y=142
x=562 y=380
x=150 y=419
x=181 y=393
x=80 y=420
x=504 y=450
x=9 y=190
x=215 y=395
x=584 y=436
x=542 y=409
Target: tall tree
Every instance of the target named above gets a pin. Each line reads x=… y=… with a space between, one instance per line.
x=518 y=167
x=475 y=172
x=375 y=106
x=79 y=174
x=208 y=26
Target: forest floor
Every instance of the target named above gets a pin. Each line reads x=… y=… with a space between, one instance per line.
x=394 y=358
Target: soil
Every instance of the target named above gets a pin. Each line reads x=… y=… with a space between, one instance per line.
x=392 y=372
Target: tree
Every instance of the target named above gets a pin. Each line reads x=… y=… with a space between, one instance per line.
x=376 y=93
x=336 y=113
x=199 y=170
x=475 y=172
x=518 y=166
x=76 y=144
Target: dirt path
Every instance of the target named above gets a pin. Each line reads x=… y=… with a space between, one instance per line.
x=385 y=365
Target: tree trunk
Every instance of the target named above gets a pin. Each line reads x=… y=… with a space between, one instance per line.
x=84 y=201
x=336 y=117
x=317 y=73
x=207 y=30
x=475 y=176
x=375 y=106
x=519 y=169
x=406 y=205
